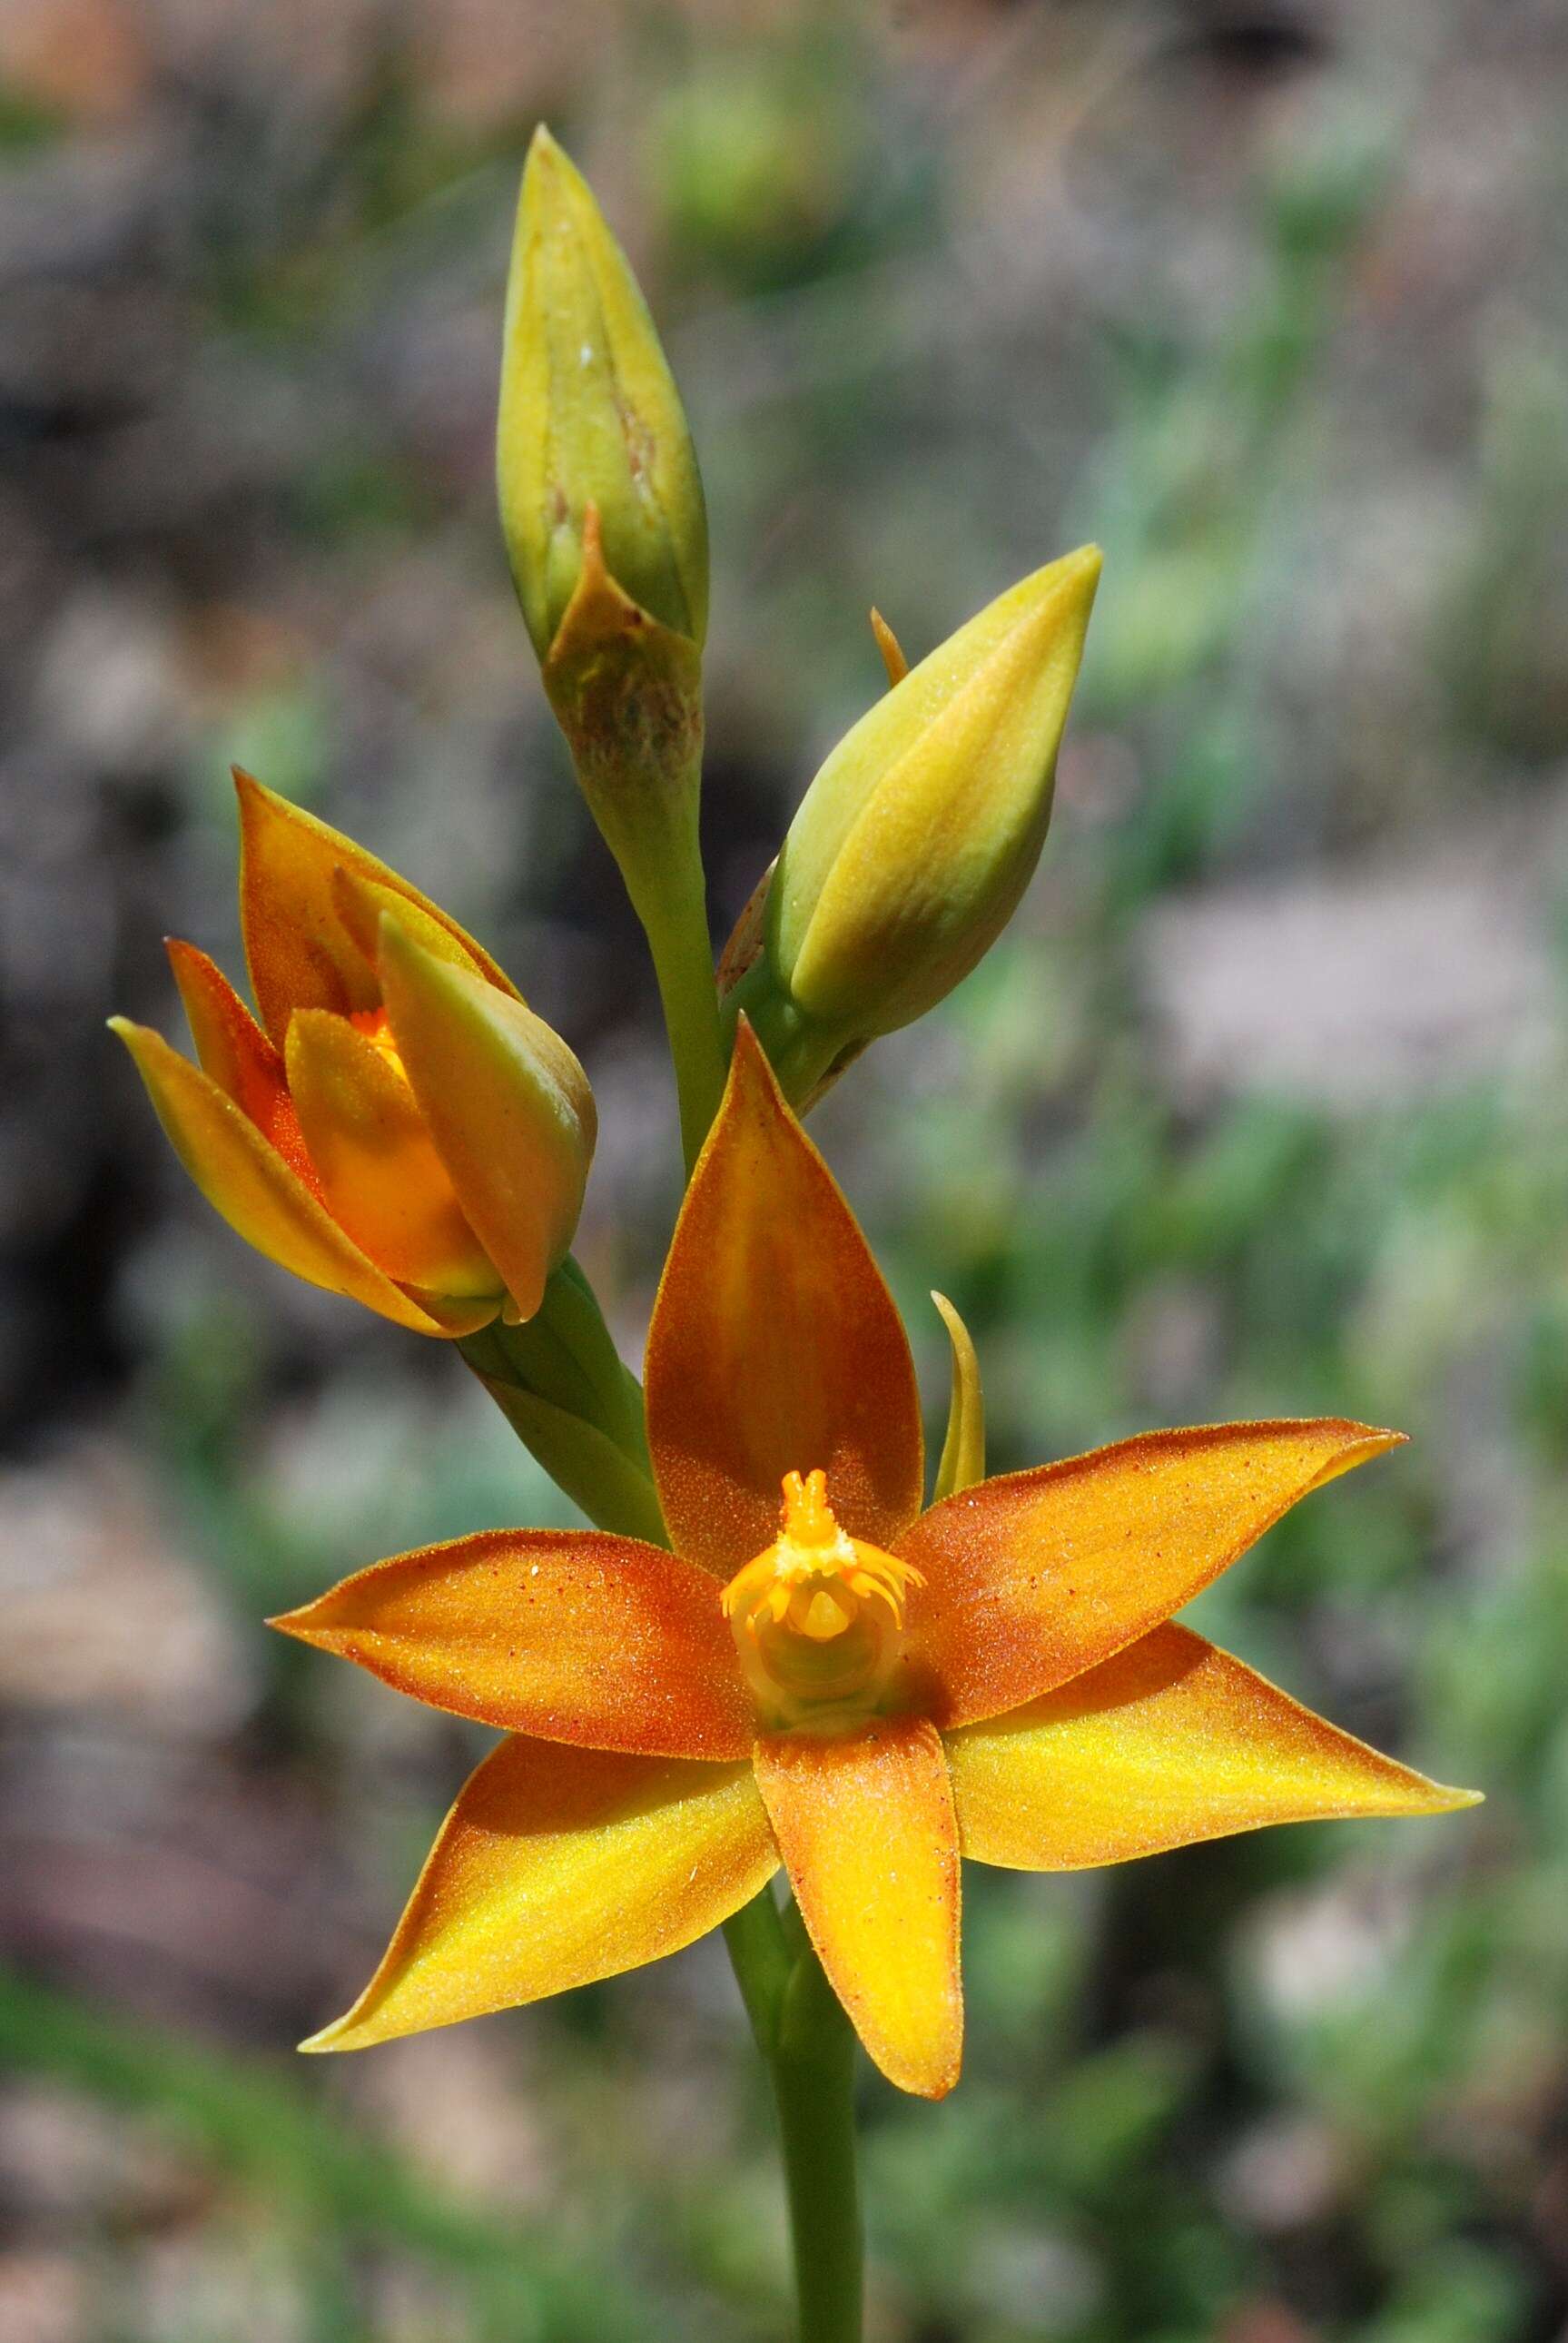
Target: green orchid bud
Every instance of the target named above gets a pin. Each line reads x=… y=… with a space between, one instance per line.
x=914 y=843
x=589 y=416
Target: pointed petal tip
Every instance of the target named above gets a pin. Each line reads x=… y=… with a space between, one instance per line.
x=548 y=170
x=328 y=2039
x=1076 y=573
x=1362 y=1441
x=292 y=1622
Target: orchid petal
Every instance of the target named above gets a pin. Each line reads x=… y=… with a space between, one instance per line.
x=1033 y=1577
x=775 y=1346
x=506 y=1103
x=242 y=1059
x=864 y=1821
x=1169 y=1742
x=253 y=1188
x=570 y=1635
x=379 y=1170
x=300 y=952
x=556 y=1866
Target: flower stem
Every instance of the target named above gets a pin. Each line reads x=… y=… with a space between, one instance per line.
x=675 y=919
x=560 y=1384
x=809 y=2047
x=813 y=2071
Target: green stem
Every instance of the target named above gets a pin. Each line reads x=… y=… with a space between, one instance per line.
x=675 y=919
x=809 y=2049
x=561 y=1385
x=813 y=2069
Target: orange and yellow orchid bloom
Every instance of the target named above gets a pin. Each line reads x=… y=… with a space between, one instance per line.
x=859 y=1689
x=398 y=1127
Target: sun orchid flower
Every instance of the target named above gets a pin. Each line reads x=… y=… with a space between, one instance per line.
x=398 y=1127
x=850 y=1686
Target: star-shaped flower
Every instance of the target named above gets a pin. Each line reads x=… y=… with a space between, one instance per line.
x=857 y=1689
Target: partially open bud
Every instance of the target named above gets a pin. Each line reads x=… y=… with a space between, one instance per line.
x=589 y=416
x=399 y=1127
x=915 y=841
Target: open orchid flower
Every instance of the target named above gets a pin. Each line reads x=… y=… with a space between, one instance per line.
x=850 y=1686
x=399 y=1127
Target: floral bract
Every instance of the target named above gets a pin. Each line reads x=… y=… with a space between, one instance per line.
x=821 y=1674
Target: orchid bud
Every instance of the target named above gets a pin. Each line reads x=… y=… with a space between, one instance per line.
x=398 y=1127
x=590 y=416
x=914 y=843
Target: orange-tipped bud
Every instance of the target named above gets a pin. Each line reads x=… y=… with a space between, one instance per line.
x=402 y=1130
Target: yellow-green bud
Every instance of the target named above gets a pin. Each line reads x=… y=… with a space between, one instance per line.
x=589 y=416
x=915 y=841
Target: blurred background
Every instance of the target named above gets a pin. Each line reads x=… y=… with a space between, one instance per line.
x=1260 y=1108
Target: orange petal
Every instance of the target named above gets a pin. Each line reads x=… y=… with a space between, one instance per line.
x=380 y=1174
x=1169 y=1742
x=506 y=1105
x=1035 y=1576
x=570 y=1635
x=300 y=952
x=556 y=1866
x=361 y=903
x=775 y=1346
x=245 y=1179
x=242 y=1059
x=866 y=1827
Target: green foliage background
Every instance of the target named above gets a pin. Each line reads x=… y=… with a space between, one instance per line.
x=1259 y=1109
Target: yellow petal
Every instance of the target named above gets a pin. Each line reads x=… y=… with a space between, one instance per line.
x=242 y=1059
x=506 y=1103
x=245 y=1179
x=775 y=1346
x=963 y=1451
x=300 y=954
x=572 y=1635
x=1169 y=1742
x=556 y=1866
x=379 y=1171
x=1033 y=1577
x=865 y=1825
x=363 y=902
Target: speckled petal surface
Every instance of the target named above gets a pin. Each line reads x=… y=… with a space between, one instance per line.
x=242 y=1059
x=253 y=1188
x=775 y=1346
x=556 y=1866
x=1169 y=1742
x=1032 y=1577
x=569 y=1636
x=865 y=1823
